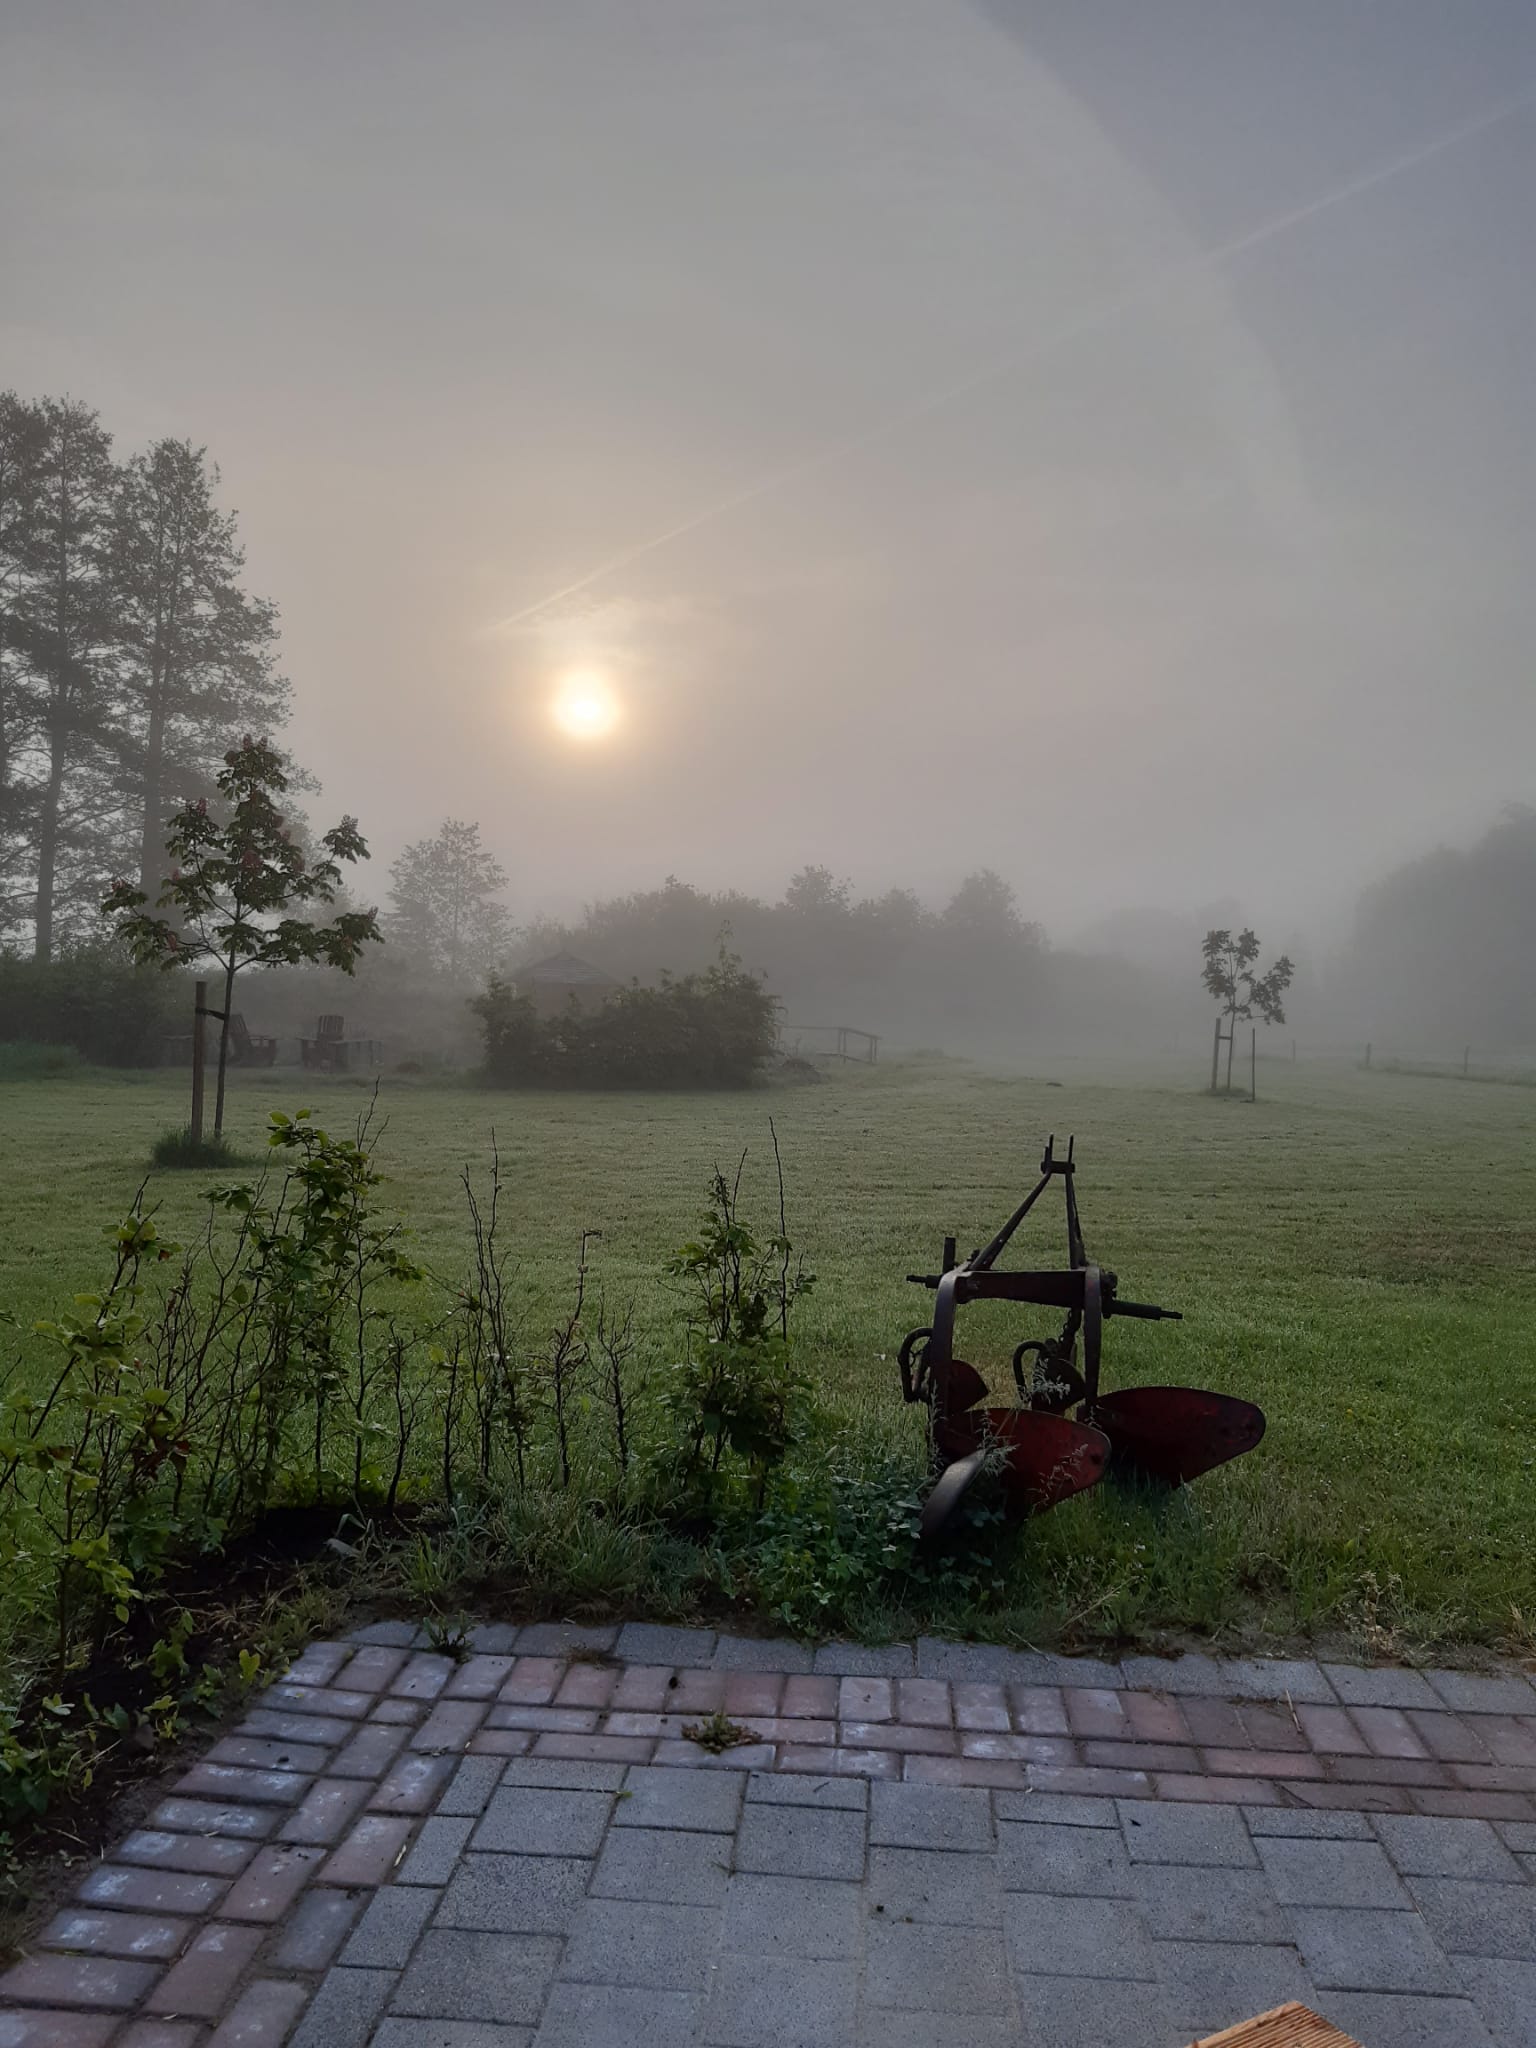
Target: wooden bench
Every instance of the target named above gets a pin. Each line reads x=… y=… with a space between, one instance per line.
x=330 y=1051
x=245 y=1048
x=1287 y=2026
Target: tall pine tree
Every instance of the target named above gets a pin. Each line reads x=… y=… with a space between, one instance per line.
x=196 y=651
x=21 y=446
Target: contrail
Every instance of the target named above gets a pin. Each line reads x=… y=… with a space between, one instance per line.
x=1093 y=317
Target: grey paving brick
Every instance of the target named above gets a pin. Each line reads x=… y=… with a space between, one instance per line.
x=493 y=1638
x=753 y=1653
x=663 y=1864
x=1397 y=2020
x=701 y=1801
x=1366 y=1949
x=1421 y=1846
x=472 y=1785
x=933 y=1887
x=1276 y=1678
x=449 y=2034
x=436 y=1851
x=1519 y=1835
x=618 y=2016
x=979 y=1663
x=630 y=1941
x=1472 y=1919
x=1072 y=1671
x=861 y=1660
x=1189 y=1676
x=1476 y=1692
x=1305 y=1823
x=930 y=1817
x=1072 y=1862
x=644 y=1642
x=389 y=1930
x=1181 y=1902
x=515 y=1894
x=1381 y=1686
x=936 y=1969
x=1191 y=1834
x=1331 y=1873
x=1069 y=1809
x=1053 y=2013
x=816 y=1918
x=389 y=1635
x=880 y=2028
x=762 y=2002
x=309 y=1938
x=563 y=1775
x=563 y=1638
x=801 y=1841
x=1050 y=1936
x=797 y=1788
x=530 y=1820
x=1213 y=1984
x=345 y=2009
x=456 y=1975
x=1504 y=1994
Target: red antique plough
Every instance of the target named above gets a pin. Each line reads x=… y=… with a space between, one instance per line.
x=1159 y=1435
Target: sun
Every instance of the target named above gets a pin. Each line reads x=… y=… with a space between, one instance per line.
x=585 y=707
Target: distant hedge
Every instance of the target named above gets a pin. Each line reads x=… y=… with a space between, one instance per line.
x=709 y=1030
x=94 y=999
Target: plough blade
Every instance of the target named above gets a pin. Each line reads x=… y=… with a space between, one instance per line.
x=1170 y=1435
x=1047 y=1458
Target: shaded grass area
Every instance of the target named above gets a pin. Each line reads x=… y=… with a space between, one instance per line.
x=1354 y=1252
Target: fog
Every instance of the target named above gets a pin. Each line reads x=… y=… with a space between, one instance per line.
x=1091 y=440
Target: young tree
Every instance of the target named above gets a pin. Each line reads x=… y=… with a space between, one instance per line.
x=197 y=651
x=1230 y=975
x=235 y=880
x=445 y=909
x=817 y=892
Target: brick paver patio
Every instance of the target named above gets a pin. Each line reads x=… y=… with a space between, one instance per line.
x=920 y=1847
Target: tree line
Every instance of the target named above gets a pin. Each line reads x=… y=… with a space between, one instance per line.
x=130 y=652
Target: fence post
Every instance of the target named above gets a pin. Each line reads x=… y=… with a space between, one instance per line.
x=200 y=998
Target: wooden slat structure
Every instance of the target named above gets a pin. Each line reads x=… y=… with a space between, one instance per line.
x=1288 y=2026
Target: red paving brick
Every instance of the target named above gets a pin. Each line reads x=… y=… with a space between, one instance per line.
x=1449 y=1738
x=413 y=1785
x=896 y=1735
x=1152 y=1718
x=1140 y=1756
x=501 y=1742
x=1095 y=1713
x=532 y=1681
x=327 y=1810
x=549 y=1720
x=925 y=1702
x=964 y=1770
x=205 y=1855
x=130 y=1888
x=596 y=1749
x=982 y=1707
x=370 y=1752
x=276 y=1877
x=1023 y=1749
x=263 y=2017
x=86 y=1930
x=750 y=1695
x=201 y=1983
x=1038 y=1710
x=865 y=1699
x=1229 y=1791
x=60 y=2030
x=806 y=1698
x=371 y=1669
x=1389 y=1732
x=449 y=1725
x=1261 y=1763
x=375 y=1845
x=479 y=1678
x=1331 y=1731
x=1095 y=1784
x=587 y=1685
x=1457 y=1804
x=1271 y=1728
x=105 y=1983
x=844 y=1763
x=642 y=1688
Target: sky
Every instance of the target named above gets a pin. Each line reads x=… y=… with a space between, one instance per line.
x=1090 y=439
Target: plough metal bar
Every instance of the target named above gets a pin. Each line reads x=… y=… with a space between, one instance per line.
x=1160 y=1435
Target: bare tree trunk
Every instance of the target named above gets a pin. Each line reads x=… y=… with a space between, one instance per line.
x=229 y=1005
x=48 y=835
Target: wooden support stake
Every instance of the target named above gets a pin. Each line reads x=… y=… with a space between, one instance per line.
x=1253 y=1063
x=1367 y=1052
x=1216 y=1056
x=200 y=998
x=1466 y=1061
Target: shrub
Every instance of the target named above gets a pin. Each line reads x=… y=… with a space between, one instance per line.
x=709 y=1030
x=94 y=999
x=26 y=1062
x=180 y=1148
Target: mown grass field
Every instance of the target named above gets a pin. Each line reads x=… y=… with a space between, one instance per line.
x=1357 y=1252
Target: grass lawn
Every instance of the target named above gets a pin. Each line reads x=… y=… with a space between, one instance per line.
x=1357 y=1252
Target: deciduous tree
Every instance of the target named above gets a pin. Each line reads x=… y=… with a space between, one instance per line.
x=446 y=910
x=1231 y=975
x=235 y=884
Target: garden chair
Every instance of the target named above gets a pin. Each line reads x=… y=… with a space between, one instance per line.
x=326 y=1051
x=246 y=1049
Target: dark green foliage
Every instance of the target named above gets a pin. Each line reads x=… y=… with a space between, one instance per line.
x=93 y=998
x=180 y=1148
x=709 y=1030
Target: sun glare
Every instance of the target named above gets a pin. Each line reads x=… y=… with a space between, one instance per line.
x=585 y=708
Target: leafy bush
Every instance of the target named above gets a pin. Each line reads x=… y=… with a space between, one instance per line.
x=26 y=1062
x=94 y=999
x=709 y=1030
x=180 y=1148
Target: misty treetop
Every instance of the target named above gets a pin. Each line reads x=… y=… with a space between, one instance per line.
x=446 y=915
x=130 y=655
